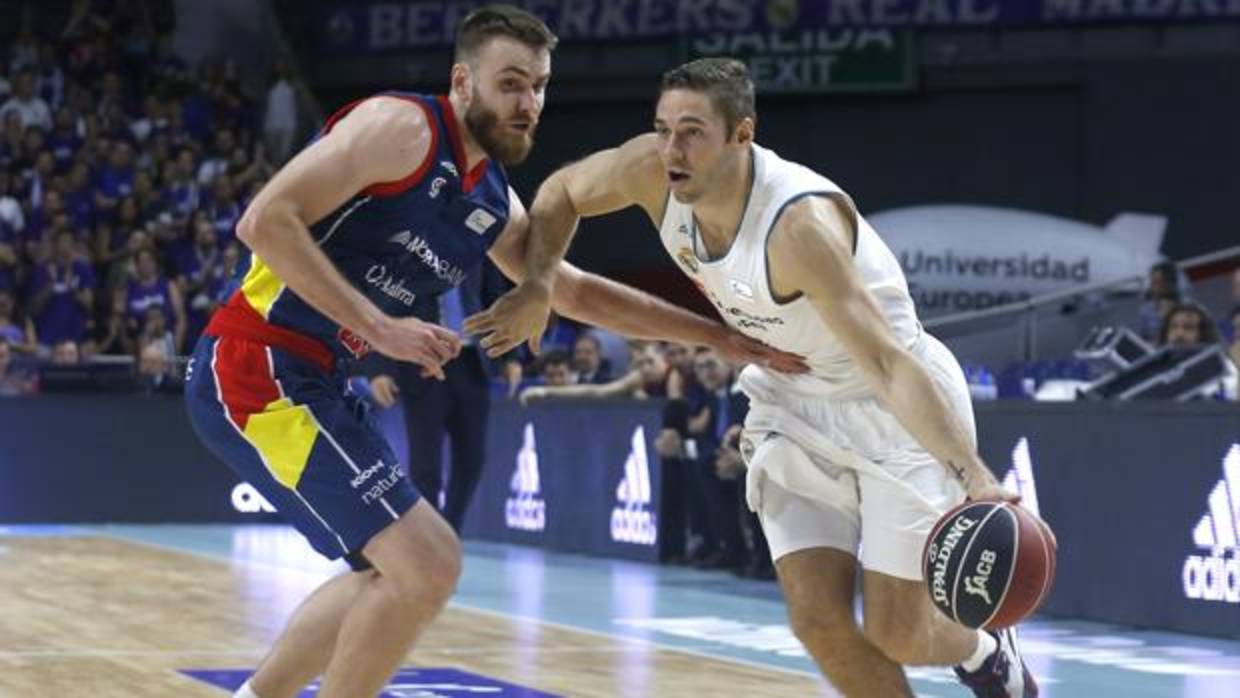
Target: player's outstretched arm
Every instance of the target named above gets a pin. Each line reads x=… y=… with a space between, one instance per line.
x=606 y=181
x=621 y=387
x=381 y=140
x=622 y=309
x=811 y=253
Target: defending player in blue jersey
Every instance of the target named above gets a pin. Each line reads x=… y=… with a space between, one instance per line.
x=397 y=197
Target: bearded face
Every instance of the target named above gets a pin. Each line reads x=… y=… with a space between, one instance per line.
x=507 y=139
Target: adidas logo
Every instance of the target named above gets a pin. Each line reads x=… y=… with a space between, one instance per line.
x=525 y=509
x=1216 y=577
x=631 y=519
x=1020 y=478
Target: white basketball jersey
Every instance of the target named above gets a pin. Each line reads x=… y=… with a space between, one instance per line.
x=737 y=283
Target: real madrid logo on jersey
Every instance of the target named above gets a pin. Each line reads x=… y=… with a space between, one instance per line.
x=686 y=257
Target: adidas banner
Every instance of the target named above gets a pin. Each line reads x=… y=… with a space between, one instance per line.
x=1144 y=498
x=571 y=477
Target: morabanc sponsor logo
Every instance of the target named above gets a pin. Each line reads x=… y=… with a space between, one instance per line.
x=417 y=246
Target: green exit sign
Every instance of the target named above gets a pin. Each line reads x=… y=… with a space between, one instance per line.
x=817 y=60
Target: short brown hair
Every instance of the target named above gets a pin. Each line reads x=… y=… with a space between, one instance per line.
x=725 y=80
x=490 y=21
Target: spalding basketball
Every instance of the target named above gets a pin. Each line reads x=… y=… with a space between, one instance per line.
x=989 y=564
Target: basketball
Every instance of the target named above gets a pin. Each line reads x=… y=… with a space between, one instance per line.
x=989 y=564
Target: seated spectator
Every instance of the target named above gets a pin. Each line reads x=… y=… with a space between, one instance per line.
x=17 y=331
x=28 y=105
x=62 y=294
x=157 y=372
x=588 y=361
x=66 y=353
x=14 y=382
x=217 y=163
x=710 y=474
x=1189 y=325
x=149 y=288
x=63 y=141
x=555 y=368
x=11 y=213
x=198 y=273
x=155 y=331
x=179 y=191
x=79 y=197
x=1163 y=291
x=245 y=168
x=115 y=178
x=679 y=359
x=224 y=210
x=510 y=378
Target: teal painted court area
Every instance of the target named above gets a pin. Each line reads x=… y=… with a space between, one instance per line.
x=720 y=616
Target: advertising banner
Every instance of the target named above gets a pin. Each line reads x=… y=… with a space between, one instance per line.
x=385 y=26
x=1145 y=502
x=571 y=477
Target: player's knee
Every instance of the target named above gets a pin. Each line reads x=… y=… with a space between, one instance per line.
x=421 y=558
x=445 y=570
x=433 y=575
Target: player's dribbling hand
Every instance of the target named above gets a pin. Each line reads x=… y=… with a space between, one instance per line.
x=518 y=316
x=982 y=486
x=742 y=349
x=410 y=339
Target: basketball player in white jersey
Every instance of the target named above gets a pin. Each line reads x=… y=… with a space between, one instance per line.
x=850 y=463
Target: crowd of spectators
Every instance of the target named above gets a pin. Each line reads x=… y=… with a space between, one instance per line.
x=123 y=172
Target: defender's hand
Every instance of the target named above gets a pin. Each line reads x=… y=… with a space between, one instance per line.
x=738 y=348
x=518 y=316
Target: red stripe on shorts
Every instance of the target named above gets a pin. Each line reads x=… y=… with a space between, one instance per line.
x=243 y=374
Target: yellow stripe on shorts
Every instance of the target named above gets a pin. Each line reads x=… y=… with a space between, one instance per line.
x=284 y=434
x=261 y=287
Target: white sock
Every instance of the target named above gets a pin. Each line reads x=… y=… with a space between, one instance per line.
x=245 y=691
x=986 y=646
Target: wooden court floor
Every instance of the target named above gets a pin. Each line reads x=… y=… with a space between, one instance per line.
x=101 y=617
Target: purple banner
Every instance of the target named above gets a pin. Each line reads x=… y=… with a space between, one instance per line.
x=407 y=683
x=378 y=26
